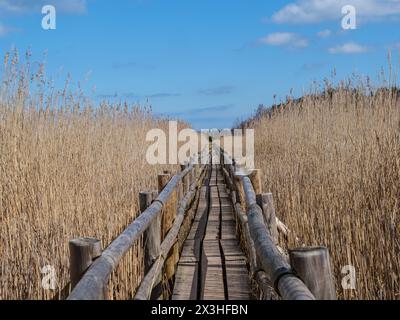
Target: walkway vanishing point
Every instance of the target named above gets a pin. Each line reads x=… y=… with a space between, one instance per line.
x=212 y=265
x=210 y=233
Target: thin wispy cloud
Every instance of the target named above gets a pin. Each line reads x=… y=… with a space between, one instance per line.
x=3 y=30
x=286 y=39
x=124 y=65
x=348 y=48
x=218 y=108
x=324 y=33
x=395 y=46
x=163 y=95
x=107 y=95
x=212 y=116
x=32 y=6
x=217 y=91
x=313 y=66
x=6 y=30
x=314 y=11
x=133 y=95
x=206 y=111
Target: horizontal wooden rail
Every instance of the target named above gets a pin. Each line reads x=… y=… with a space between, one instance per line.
x=283 y=279
x=144 y=291
x=269 y=266
x=93 y=283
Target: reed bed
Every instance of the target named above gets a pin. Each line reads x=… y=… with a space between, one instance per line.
x=68 y=169
x=332 y=161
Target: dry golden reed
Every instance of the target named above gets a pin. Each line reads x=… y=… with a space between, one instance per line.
x=67 y=169
x=332 y=162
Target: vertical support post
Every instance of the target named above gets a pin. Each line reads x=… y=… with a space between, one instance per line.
x=312 y=265
x=237 y=180
x=196 y=170
x=233 y=196
x=152 y=240
x=82 y=253
x=184 y=181
x=168 y=217
x=255 y=178
x=163 y=180
x=266 y=203
x=191 y=175
x=231 y=170
x=172 y=261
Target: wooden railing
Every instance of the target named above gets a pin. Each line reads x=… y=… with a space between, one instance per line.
x=91 y=268
x=303 y=274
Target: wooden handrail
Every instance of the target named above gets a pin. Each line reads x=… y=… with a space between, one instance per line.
x=144 y=291
x=269 y=267
x=93 y=284
x=280 y=273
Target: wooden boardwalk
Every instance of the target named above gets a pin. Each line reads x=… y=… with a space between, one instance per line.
x=212 y=265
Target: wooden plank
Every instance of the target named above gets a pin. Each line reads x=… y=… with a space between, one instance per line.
x=214 y=281
x=236 y=270
x=185 y=287
x=231 y=262
x=186 y=278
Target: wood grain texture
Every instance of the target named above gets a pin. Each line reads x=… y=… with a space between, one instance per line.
x=82 y=253
x=312 y=265
x=221 y=263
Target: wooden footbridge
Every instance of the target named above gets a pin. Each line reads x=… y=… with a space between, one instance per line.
x=209 y=234
x=212 y=265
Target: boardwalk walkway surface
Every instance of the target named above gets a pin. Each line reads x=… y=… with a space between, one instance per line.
x=212 y=265
x=194 y=214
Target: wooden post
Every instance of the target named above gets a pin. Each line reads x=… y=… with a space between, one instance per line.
x=82 y=253
x=152 y=241
x=240 y=198
x=152 y=236
x=184 y=181
x=190 y=175
x=312 y=265
x=163 y=180
x=196 y=171
x=172 y=262
x=168 y=217
x=266 y=203
x=233 y=196
x=255 y=178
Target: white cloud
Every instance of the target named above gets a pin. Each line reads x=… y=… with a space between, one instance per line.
x=284 y=39
x=30 y=6
x=3 y=30
x=394 y=46
x=324 y=33
x=313 y=11
x=348 y=48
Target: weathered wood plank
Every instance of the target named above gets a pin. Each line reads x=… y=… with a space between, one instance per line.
x=236 y=270
x=214 y=281
x=224 y=268
x=186 y=278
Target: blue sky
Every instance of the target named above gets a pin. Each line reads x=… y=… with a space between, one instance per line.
x=206 y=61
